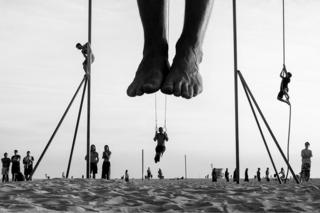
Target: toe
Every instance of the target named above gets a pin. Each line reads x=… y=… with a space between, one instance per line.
x=167 y=88
x=177 y=89
x=184 y=90
x=191 y=92
x=149 y=88
x=131 y=91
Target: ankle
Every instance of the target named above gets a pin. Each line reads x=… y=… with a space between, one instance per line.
x=189 y=49
x=153 y=48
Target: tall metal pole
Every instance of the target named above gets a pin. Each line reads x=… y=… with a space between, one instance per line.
x=142 y=164
x=89 y=86
x=76 y=128
x=236 y=88
x=57 y=127
x=185 y=166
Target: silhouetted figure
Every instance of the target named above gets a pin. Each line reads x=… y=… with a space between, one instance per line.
x=214 y=175
x=85 y=51
x=282 y=175
x=28 y=166
x=306 y=155
x=15 y=168
x=149 y=174
x=160 y=137
x=235 y=175
x=94 y=159
x=267 y=175
x=259 y=175
x=226 y=175
x=285 y=76
x=160 y=175
x=5 y=167
x=106 y=163
x=126 y=176
x=154 y=72
x=246 y=176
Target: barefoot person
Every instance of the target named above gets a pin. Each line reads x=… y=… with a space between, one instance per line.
x=28 y=166
x=285 y=75
x=94 y=159
x=5 y=167
x=106 y=163
x=15 y=168
x=226 y=175
x=154 y=72
x=85 y=50
x=306 y=155
x=160 y=137
x=267 y=175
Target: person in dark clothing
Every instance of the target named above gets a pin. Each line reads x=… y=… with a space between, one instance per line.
x=214 y=175
x=149 y=174
x=235 y=175
x=267 y=175
x=126 y=176
x=259 y=175
x=160 y=137
x=15 y=168
x=94 y=159
x=85 y=51
x=5 y=167
x=285 y=76
x=28 y=166
x=106 y=163
x=160 y=175
x=226 y=175
x=246 y=175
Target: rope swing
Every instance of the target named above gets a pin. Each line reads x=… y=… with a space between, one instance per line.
x=165 y=97
x=285 y=75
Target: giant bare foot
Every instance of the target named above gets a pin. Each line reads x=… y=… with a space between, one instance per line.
x=184 y=78
x=149 y=76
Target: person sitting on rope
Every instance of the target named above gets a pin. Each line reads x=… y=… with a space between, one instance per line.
x=160 y=137
x=84 y=50
x=285 y=75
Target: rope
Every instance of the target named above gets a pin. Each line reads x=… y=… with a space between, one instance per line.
x=288 y=143
x=165 y=97
x=283 y=33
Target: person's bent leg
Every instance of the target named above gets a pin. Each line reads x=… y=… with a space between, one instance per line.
x=154 y=66
x=184 y=78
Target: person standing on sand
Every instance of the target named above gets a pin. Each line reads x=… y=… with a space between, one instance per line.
x=214 y=175
x=259 y=175
x=226 y=175
x=306 y=155
x=282 y=175
x=246 y=175
x=5 y=167
x=106 y=163
x=94 y=159
x=267 y=175
x=15 y=168
x=235 y=175
x=149 y=174
x=126 y=176
x=154 y=72
x=28 y=166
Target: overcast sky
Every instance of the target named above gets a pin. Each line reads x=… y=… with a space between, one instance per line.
x=41 y=68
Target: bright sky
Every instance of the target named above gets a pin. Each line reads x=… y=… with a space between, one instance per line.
x=41 y=68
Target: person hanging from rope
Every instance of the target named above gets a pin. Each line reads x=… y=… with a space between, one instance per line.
x=160 y=137
x=286 y=76
x=154 y=72
x=85 y=50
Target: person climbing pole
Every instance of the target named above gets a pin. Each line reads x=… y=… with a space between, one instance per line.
x=286 y=78
x=85 y=51
x=182 y=79
x=160 y=137
x=306 y=155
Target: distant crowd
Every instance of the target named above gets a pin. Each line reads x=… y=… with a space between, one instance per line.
x=16 y=173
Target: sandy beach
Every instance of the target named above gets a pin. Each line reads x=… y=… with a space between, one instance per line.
x=193 y=195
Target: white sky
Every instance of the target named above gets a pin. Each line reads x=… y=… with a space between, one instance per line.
x=41 y=68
